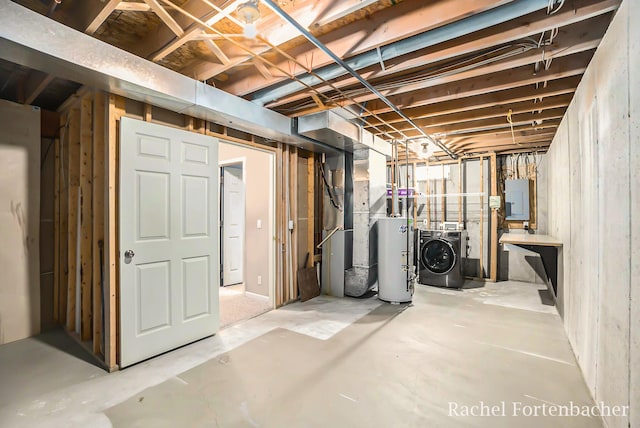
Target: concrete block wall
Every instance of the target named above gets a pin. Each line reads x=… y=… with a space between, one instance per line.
x=593 y=193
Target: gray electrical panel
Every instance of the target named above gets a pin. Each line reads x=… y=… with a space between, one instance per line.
x=516 y=200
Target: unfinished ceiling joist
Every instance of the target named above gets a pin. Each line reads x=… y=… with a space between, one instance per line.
x=277 y=32
x=165 y=16
x=106 y=10
x=516 y=30
x=86 y=60
x=351 y=71
x=447 y=69
x=423 y=40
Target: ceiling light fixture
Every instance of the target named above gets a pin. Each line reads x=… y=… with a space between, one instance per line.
x=249 y=13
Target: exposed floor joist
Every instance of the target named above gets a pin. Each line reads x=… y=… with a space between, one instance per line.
x=519 y=57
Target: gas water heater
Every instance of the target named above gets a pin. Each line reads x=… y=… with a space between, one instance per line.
x=396 y=272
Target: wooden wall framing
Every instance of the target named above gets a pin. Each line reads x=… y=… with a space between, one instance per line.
x=493 y=190
x=86 y=212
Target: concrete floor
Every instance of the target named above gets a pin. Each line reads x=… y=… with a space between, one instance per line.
x=336 y=362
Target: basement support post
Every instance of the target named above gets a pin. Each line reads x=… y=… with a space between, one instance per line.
x=493 y=270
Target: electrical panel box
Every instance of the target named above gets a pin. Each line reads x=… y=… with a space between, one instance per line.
x=516 y=200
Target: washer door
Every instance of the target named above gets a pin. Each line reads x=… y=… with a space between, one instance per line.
x=438 y=256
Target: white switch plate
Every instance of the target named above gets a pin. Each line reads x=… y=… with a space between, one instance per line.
x=259 y=224
x=259 y=279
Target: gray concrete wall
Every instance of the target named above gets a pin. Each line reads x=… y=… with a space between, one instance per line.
x=593 y=208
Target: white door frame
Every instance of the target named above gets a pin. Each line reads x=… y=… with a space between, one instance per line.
x=272 y=208
x=242 y=162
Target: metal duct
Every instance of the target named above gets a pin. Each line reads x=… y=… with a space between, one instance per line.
x=336 y=131
x=369 y=204
x=35 y=41
x=429 y=38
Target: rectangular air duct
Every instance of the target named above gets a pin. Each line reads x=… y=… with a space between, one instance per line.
x=330 y=128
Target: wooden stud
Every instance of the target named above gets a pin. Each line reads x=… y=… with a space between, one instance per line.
x=533 y=198
x=443 y=191
x=459 y=191
x=276 y=237
x=310 y=208
x=293 y=215
x=493 y=269
x=415 y=196
x=202 y=127
x=86 y=216
x=63 y=204
x=148 y=112
x=56 y=233
x=73 y=215
x=285 y=229
x=188 y=123
x=428 y=192
x=283 y=223
x=481 y=271
x=282 y=255
x=98 y=216
x=111 y=246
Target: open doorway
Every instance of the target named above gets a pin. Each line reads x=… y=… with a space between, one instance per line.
x=247 y=213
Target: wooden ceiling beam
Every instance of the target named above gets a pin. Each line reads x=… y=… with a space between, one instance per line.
x=160 y=43
x=525 y=129
x=215 y=49
x=195 y=30
x=132 y=6
x=271 y=28
x=35 y=83
x=572 y=65
x=540 y=149
x=581 y=36
x=499 y=111
x=508 y=96
x=498 y=148
x=486 y=142
x=262 y=68
x=516 y=148
x=162 y=13
x=397 y=22
x=487 y=124
x=98 y=13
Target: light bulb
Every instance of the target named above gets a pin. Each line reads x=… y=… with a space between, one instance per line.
x=250 y=30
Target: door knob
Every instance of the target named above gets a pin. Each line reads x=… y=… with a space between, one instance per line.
x=129 y=254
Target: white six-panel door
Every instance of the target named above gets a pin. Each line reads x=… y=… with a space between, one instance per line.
x=233 y=225
x=169 y=253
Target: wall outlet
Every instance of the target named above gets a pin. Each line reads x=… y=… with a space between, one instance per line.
x=259 y=279
x=259 y=224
